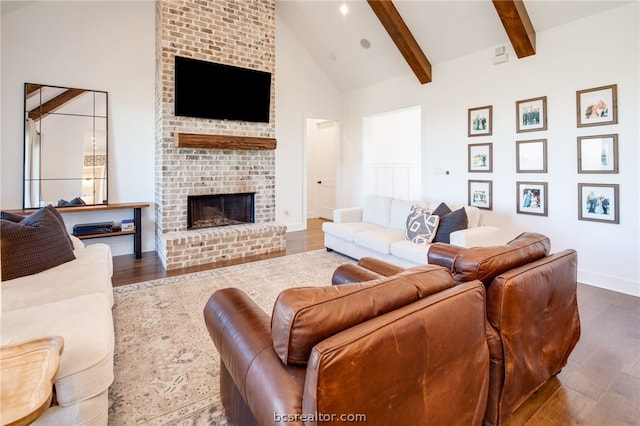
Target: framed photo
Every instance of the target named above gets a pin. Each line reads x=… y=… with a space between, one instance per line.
x=481 y=157
x=532 y=198
x=598 y=154
x=480 y=121
x=597 y=106
x=531 y=156
x=531 y=114
x=598 y=202
x=481 y=194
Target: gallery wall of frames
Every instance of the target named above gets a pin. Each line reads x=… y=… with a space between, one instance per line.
x=596 y=153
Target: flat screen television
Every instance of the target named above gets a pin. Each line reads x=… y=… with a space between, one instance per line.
x=218 y=91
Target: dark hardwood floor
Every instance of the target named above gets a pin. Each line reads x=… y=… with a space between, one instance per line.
x=600 y=385
x=127 y=269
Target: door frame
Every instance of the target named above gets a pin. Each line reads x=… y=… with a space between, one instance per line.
x=305 y=159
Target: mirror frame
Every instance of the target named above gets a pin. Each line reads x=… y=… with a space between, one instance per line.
x=85 y=128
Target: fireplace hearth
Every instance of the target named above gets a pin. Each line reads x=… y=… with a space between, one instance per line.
x=209 y=211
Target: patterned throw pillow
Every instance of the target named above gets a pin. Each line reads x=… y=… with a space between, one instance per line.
x=421 y=225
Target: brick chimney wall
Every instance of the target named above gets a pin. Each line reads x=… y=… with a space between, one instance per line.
x=239 y=33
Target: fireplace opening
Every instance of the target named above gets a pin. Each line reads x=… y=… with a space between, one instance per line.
x=207 y=211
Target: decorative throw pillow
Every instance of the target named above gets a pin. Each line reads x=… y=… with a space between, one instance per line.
x=19 y=218
x=450 y=222
x=33 y=245
x=421 y=225
x=16 y=218
x=441 y=210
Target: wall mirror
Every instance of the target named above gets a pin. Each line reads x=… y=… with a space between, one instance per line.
x=65 y=146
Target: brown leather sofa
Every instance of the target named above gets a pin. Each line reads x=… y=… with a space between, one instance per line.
x=395 y=350
x=533 y=322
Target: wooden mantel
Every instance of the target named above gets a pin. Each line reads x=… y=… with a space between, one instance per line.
x=195 y=140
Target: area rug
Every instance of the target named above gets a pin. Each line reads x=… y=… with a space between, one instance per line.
x=166 y=367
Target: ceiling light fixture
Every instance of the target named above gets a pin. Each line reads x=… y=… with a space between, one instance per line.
x=344 y=9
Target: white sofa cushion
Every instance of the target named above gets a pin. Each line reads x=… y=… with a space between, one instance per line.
x=347 y=231
x=90 y=272
x=349 y=214
x=379 y=240
x=480 y=236
x=86 y=325
x=399 y=213
x=377 y=210
x=94 y=411
x=416 y=253
x=473 y=216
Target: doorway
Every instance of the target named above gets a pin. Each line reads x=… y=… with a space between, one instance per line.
x=322 y=143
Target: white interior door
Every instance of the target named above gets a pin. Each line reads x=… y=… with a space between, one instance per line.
x=322 y=141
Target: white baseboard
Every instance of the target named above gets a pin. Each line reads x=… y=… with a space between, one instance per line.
x=291 y=227
x=609 y=282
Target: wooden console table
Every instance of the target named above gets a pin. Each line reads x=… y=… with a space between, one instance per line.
x=27 y=371
x=137 y=220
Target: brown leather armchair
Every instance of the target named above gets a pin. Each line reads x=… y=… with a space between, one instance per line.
x=532 y=310
x=392 y=350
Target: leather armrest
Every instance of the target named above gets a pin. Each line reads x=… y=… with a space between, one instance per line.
x=241 y=332
x=351 y=273
x=443 y=254
x=367 y=269
x=380 y=267
x=239 y=329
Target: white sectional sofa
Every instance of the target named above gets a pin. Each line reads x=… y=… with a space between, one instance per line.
x=378 y=229
x=72 y=300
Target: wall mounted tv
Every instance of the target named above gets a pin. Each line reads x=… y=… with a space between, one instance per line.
x=223 y=92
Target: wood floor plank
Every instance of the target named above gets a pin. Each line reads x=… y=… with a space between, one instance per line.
x=619 y=405
x=564 y=407
x=537 y=401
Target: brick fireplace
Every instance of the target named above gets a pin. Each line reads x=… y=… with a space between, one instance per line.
x=238 y=33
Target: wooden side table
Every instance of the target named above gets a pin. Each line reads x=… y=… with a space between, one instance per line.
x=137 y=220
x=27 y=371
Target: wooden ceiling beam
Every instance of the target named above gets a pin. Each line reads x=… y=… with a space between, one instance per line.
x=55 y=103
x=518 y=26
x=401 y=35
x=32 y=89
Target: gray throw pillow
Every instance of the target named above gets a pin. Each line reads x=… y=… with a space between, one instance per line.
x=33 y=245
x=451 y=222
x=442 y=209
x=19 y=218
x=421 y=225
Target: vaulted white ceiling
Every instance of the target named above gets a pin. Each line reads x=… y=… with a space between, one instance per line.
x=444 y=30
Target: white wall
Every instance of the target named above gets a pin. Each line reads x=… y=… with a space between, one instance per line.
x=115 y=52
x=99 y=45
x=566 y=61
x=110 y=46
x=302 y=90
